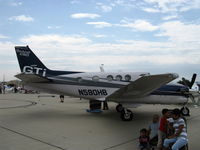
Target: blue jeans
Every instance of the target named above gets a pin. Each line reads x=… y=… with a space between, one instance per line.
x=178 y=143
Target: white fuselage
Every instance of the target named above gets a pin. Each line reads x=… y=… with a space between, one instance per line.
x=98 y=86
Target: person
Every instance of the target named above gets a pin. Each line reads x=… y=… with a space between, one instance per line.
x=105 y=105
x=170 y=129
x=179 y=138
x=144 y=139
x=3 y=89
x=62 y=98
x=162 y=128
x=0 y=90
x=15 y=89
x=153 y=130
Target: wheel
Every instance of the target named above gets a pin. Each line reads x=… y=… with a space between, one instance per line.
x=185 y=111
x=126 y=115
x=119 y=108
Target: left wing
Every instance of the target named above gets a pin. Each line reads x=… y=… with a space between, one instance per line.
x=142 y=86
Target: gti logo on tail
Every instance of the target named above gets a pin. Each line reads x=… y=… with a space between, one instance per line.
x=34 y=69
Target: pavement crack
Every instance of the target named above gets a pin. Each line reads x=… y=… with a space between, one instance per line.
x=30 y=137
x=120 y=144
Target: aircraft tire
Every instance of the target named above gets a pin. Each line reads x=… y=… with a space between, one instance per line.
x=127 y=115
x=119 y=108
x=185 y=111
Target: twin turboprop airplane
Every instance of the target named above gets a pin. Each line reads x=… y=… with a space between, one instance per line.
x=127 y=89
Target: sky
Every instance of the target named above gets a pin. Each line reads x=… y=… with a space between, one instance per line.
x=156 y=36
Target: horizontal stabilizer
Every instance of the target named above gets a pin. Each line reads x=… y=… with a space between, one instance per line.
x=142 y=86
x=32 y=78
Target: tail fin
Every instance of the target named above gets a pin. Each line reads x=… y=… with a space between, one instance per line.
x=27 y=58
x=30 y=63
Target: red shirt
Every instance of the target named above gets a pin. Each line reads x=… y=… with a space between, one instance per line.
x=163 y=124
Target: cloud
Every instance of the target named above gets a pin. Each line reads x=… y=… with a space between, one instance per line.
x=100 y=35
x=53 y=27
x=165 y=6
x=84 y=15
x=100 y=24
x=22 y=18
x=140 y=25
x=75 y=52
x=3 y=36
x=170 y=17
x=104 y=8
x=179 y=32
x=75 y=2
x=151 y=10
x=16 y=3
x=54 y=38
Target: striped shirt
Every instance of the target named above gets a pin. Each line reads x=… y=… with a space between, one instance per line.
x=176 y=125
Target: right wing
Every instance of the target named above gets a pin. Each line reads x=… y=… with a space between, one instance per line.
x=142 y=86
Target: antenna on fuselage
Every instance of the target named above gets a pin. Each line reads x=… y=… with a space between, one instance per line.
x=101 y=68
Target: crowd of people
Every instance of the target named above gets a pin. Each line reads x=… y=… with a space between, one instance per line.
x=166 y=132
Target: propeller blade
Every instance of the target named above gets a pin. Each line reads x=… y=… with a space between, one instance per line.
x=193 y=80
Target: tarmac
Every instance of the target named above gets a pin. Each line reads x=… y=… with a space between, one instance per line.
x=29 y=122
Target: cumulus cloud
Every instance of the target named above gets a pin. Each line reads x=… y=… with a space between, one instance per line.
x=74 y=52
x=100 y=24
x=84 y=15
x=104 y=8
x=22 y=18
x=140 y=25
x=180 y=32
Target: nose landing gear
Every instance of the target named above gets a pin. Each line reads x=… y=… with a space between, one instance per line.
x=185 y=111
x=126 y=114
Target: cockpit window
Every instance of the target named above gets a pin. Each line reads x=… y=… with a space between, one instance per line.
x=127 y=77
x=109 y=77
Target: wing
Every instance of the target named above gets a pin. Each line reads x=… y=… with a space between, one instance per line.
x=142 y=86
x=32 y=78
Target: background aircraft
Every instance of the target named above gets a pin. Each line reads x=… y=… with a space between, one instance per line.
x=127 y=89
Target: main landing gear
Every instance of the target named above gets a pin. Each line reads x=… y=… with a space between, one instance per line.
x=126 y=114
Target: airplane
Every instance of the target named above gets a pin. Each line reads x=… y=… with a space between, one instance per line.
x=127 y=89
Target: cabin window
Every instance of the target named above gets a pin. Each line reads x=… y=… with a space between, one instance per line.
x=109 y=77
x=118 y=77
x=95 y=78
x=127 y=77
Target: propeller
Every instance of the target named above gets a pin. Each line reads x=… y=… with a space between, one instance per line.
x=191 y=93
x=187 y=82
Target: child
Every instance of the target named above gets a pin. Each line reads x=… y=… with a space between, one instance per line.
x=153 y=130
x=162 y=128
x=144 y=139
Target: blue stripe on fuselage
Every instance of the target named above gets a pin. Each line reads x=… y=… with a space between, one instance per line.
x=171 y=89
